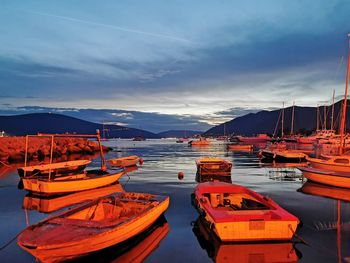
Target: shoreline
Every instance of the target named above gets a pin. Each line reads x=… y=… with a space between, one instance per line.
x=12 y=149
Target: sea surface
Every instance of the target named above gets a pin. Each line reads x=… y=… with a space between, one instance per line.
x=178 y=237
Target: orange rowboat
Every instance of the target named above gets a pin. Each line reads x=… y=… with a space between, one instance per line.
x=243 y=252
x=124 y=161
x=54 y=168
x=92 y=226
x=70 y=183
x=213 y=166
x=235 y=213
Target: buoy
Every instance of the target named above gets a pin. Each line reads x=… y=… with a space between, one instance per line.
x=141 y=161
x=180 y=175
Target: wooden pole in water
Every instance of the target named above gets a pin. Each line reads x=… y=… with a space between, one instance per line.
x=343 y=117
x=103 y=161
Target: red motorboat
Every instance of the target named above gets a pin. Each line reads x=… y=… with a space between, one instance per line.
x=235 y=213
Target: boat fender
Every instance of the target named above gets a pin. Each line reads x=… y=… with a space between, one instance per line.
x=274 y=156
x=141 y=161
x=260 y=154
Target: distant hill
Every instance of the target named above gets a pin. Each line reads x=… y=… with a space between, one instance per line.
x=265 y=121
x=178 y=133
x=57 y=123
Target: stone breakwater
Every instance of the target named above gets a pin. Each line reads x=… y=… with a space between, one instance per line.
x=12 y=149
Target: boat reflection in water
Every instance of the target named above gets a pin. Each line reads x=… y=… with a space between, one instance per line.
x=338 y=194
x=243 y=252
x=210 y=178
x=130 y=169
x=282 y=171
x=325 y=191
x=135 y=250
x=47 y=204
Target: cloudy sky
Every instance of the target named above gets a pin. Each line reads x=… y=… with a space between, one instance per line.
x=184 y=64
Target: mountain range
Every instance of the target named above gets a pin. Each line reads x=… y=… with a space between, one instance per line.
x=305 y=121
x=56 y=123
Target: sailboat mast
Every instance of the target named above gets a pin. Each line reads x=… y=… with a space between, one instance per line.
x=317 y=118
x=343 y=116
x=324 y=117
x=282 y=133
x=332 y=120
x=292 y=124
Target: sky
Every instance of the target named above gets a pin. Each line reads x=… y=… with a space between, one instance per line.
x=162 y=65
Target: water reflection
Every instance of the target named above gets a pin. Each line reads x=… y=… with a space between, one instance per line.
x=48 y=204
x=134 y=250
x=210 y=178
x=243 y=252
x=338 y=194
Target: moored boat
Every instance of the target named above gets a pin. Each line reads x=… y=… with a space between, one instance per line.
x=70 y=183
x=131 y=160
x=260 y=138
x=240 y=147
x=54 y=168
x=213 y=166
x=291 y=156
x=243 y=252
x=339 y=163
x=328 y=177
x=92 y=226
x=236 y=213
x=201 y=142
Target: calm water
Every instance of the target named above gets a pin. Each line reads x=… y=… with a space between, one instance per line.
x=179 y=238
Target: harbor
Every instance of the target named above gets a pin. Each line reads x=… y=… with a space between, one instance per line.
x=317 y=237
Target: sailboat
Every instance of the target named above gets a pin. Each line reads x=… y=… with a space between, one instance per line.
x=278 y=152
x=335 y=170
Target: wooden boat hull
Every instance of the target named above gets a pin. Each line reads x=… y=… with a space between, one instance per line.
x=72 y=183
x=329 y=164
x=199 y=143
x=252 y=140
x=54 y=168
x=56 y=239
x=242 y=252
x=213 y=166
x=124 y=161
x=48 y=205
x=232 y=223
x=238 y=147
x=283 y=156
x=327 y=177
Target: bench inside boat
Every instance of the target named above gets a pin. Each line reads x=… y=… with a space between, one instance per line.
x=231 y=201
